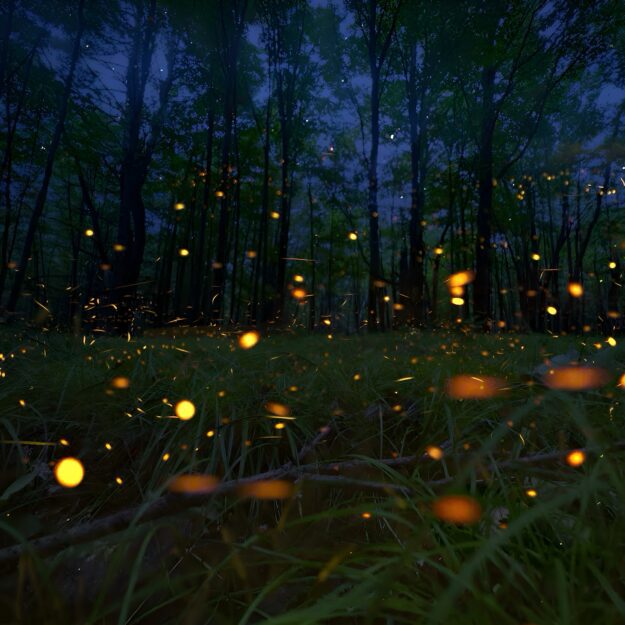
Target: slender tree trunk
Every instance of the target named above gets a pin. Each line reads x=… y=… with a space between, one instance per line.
x=482 y=285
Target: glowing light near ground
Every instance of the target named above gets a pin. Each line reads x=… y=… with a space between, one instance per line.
x=183 y=251
x=267 y=489
x=576 y=458
x=352 y=236
x=436 y=453
x=193 y=484
x=89 y=232
x=247 y=340
x=531 y=492
x=69 y=472
x=552 y=310
x=459 y=509
x=298 y=293
x=179 y=206
x=473 y=387
x=120 y=382
x=576 y=378
x=457 y=301
x=277 y=409
x=535 y=256
x=185 y=410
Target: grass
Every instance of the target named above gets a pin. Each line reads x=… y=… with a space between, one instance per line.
x=331 y=553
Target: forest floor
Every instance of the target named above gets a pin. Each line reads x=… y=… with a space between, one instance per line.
x=364 y=438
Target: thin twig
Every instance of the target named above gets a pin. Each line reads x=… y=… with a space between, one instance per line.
x=169 y=504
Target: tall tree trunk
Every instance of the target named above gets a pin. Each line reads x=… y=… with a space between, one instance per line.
x=482 y=285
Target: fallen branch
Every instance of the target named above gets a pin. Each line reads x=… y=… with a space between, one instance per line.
x=169 y=504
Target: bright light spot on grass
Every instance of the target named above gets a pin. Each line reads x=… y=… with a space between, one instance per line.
x=179 y=206
x=185 y=410
x=274 y=215
x=298 y=278
x=366 y=515
x=552 y=310
x=535 y=256
x=438 y=250
x=531 y=492
x=352 y=236
x=279 y=426
x=247 y=340
x=576 y=289
x=612 y=265
x=193 y=484
x=120 y=382
x=69 y=472
x=457 y=301
x=611 y=341
x=357 y=376
x=436 y=453
x=108 y=446
x=576 y=378
x=64 y=442
x=267 y=489
x=89 y=232
x=119 y=480
x=22 y=403
x=277 y=409
x=576 y=458
x=298 y=293
x=183 y=251
x=459 y=509
x=210 y=433
x=166 y=457
x=470 y=387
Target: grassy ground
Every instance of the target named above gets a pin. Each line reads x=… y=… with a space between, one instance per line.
x=340 y=552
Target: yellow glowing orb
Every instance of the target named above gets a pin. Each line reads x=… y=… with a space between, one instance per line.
x=89 y=232
x=576 y=458
x=436 y=453
x=576 y=289
x=183 y=251
x=185 y=410
x=459 y=509
x=247 y=340
x=461 y=278
x=612 y=265
x=298 y=293
x=552 y=310
x=535 y=256
x=69 y=472
x=120 y=382
x=352 y=236
x=179 y=206
x=457 y=301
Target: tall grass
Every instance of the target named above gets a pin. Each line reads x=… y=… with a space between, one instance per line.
x=314 y=558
